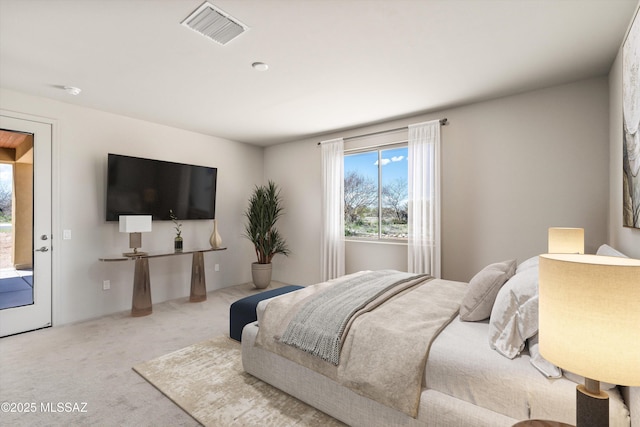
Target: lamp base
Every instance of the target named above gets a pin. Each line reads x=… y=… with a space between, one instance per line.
x=134 y=254
x=592 y=409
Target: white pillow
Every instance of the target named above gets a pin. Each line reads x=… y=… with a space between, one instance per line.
x=483 y=289
x=530 y=263
x=547 y=368
x=514 y=317
x=609 y=251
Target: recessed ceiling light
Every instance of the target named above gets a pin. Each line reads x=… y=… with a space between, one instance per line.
x=71 y=90
x=260 y=66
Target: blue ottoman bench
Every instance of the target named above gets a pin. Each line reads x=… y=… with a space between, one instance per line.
x=243 y=311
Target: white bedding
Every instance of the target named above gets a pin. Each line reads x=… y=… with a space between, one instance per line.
x=461 y=364
x=383 y=353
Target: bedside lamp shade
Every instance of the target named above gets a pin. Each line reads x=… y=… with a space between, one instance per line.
x=135 y=225
x=565 y=240
x=589 y=324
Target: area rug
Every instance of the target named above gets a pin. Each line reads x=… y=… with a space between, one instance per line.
x=207 y=381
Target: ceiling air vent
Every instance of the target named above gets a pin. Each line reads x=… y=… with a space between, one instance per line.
x=215 y=24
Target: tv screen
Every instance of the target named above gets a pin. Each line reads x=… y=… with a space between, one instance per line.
x=137 y=186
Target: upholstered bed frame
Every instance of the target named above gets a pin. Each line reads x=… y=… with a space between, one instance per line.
x=437 y=409
x=471 y=377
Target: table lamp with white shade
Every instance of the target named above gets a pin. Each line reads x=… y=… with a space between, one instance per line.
x=589 y=324
x=135 y=225
x=566 y=240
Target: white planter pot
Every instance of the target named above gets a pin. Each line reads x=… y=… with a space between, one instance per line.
x=261 y=274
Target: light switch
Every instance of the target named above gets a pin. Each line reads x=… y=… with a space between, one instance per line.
x=66 y=234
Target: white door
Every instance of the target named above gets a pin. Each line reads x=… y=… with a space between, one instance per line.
x=37 y=315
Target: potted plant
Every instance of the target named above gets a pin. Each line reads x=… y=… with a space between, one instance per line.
x=177 y=243
x=265 y=208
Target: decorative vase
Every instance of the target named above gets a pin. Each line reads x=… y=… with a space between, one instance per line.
x=215 y=240
x=177 y=244
x=261 y=274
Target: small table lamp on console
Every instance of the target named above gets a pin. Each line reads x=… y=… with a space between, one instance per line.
x=589 y=324
x=135 y=225
x=566 y=240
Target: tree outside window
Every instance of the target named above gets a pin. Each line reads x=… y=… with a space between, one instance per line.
x=375 y=194
x=6 y=192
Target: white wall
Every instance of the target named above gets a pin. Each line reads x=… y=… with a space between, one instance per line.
x=81 y=142
x=362 y=255
x=512 y=167
x=295 y=168
x=625 y=239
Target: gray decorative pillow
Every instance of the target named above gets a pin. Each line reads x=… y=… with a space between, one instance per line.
x=514 y=317
x=483 y=289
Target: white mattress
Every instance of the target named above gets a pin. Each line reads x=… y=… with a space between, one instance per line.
x=462 y=365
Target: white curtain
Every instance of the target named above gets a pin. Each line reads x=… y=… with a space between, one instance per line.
x=332 y=232
x=424 y=198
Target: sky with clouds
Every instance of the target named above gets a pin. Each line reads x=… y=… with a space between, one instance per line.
x=6 y=174
x=394 y=164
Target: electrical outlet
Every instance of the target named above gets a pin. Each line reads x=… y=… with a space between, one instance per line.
x=106 y=285
x=217 y=267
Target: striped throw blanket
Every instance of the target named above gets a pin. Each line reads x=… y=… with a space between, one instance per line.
x=321 y=323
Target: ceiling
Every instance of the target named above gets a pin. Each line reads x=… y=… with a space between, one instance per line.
x=12 y=139
x=16 y=147
x=333 y=64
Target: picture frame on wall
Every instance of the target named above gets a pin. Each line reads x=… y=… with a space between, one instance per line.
x=630 y=126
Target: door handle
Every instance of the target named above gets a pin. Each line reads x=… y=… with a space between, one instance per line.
x=42 y=249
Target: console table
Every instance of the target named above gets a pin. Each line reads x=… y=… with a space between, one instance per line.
x=141 y=300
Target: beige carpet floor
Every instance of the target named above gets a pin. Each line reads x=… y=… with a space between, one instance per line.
x=207 y=381
x=90 y=362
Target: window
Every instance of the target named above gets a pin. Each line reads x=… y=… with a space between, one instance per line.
x=375 y=194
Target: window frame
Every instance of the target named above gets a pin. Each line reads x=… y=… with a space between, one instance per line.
x=369 y=149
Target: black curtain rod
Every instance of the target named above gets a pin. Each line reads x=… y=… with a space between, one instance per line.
x=443 y=122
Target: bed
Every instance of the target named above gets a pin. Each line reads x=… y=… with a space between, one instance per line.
x=477 y=370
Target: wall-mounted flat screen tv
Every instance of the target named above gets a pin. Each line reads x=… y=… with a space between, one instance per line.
x=137 y=186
